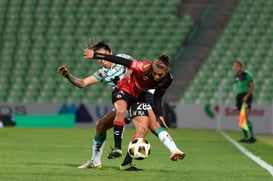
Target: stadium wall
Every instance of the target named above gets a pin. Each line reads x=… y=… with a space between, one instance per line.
x=223 y=117
x=197 y=116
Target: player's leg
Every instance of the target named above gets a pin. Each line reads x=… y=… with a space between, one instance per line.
x=252 y=138
x=119 y=122
x=120 y=100
x=99 y=140
x=141 y=124
x=164 y=137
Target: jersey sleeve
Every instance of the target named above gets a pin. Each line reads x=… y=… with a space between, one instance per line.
x=113 y=58
x=98 y=75
x=139 y=66
x=159 y=93
x=124 y=56
x=249 y=77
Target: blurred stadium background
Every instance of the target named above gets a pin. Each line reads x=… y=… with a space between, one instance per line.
x=202 y=37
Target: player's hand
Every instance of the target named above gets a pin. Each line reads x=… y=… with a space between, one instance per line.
x=161 y=118
x=88 y=54
x=245 y=99
x=128 y=74
x=63 y=70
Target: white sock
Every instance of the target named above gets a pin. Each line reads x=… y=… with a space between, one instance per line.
x=167 y=140
x=97 y=149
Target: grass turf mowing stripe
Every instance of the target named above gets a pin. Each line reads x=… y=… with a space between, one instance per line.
x=50 y=154
x=256 y=159
x=267 y=139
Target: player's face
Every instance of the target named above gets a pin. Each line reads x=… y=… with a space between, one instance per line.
x=237 y=67
x=157 y=73
x=104 y=63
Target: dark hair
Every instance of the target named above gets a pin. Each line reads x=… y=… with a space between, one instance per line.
x=162 y=62
x=98 y=46
x=164 y=59
x=239 y=62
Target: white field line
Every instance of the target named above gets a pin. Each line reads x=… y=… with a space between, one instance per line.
x=255 y=158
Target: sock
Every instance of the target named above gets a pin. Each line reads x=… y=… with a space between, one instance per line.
x=118 y=133
x=166 y=139
x=127 y=160
x=97 y=148
x=250 y=127
x=245 y=133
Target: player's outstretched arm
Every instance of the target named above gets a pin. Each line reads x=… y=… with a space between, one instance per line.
x=90 y=54
x=80 y=83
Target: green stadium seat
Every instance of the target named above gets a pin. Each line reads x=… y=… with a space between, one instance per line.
x=39 y=36
x=241 y=39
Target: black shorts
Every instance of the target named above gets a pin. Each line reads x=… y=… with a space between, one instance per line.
x=239 y=101
x=135 y=107
x=139 y=109
x=122 y=95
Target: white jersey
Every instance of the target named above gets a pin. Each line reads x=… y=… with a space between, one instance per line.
x=112 y=75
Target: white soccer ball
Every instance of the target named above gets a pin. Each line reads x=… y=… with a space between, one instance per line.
x=139 y=148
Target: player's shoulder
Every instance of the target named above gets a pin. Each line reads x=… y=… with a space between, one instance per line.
x=248 y=73
x=168 y=77
x=166 y=81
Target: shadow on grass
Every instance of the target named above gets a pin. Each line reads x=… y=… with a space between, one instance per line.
x=71 y=165
x=104 y=167
x=52 y=164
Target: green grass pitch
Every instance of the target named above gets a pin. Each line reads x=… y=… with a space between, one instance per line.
x=54 y=154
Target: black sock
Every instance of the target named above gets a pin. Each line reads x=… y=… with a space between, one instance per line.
x=118 y=134
x=128 y=159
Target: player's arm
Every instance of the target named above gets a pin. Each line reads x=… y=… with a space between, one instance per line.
x=157 y=106
x=81 y=83
x=129 y=63
x=90 y=54
x=250 y=90
x=250 y=87
x=158 y=95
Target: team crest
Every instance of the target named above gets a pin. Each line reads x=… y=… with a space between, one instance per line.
x=118 y=96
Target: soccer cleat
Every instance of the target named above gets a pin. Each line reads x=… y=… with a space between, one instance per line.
x=115 y=153
x=242 y=140
x=179 y=155
x=129 y=167
x=251 y=140
x=90 y=164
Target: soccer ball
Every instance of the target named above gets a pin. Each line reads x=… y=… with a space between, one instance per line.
x=139 y=148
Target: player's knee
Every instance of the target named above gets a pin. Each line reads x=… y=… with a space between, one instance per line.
x=100 y=126
x=154 y=125
x=142 y=131
x=121 y=112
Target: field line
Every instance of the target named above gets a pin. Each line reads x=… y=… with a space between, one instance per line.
x=255 y=158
